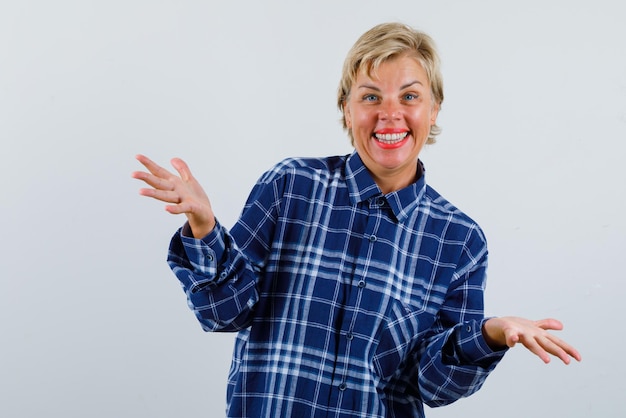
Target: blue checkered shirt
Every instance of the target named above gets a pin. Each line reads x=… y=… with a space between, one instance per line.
x=348 y=302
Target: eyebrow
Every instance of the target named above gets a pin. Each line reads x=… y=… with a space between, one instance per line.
x=369 y=86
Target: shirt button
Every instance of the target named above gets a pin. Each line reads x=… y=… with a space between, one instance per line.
x=380 y=202
x=361 y=284
x=223 y=275
x=342 y=386
x=373 y=238
x=350 y=336
x=209 y=257
x=468 y=328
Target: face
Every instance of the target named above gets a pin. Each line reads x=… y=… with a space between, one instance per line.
x=390 y=114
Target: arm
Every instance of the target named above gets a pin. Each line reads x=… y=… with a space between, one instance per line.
x=455 y=360
x=219 y=278
x=464 y=347
x=216 y=277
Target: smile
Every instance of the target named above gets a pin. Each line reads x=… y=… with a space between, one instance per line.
x=391 y=138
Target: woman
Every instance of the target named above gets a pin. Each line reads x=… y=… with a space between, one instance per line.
x=356 y=289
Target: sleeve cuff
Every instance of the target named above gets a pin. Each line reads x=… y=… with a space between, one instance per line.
x=470 y=347
x=205 y=253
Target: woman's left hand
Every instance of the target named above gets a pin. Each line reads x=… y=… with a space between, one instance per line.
x=534 y=335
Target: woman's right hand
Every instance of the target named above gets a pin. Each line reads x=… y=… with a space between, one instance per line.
x=183 y=193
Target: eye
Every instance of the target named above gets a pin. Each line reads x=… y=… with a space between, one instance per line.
x=370 y=98
x=409 y=96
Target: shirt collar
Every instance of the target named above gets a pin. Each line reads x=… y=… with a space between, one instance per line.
x=362 y=187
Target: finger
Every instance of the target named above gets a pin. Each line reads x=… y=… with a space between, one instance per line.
x=145 y=161
x=177 y=209
x=167 y=196
x=182 y=207
x=182 y=168
x=568 y=349
x=153 y=167
x=154 y=181
x=534 y=347
x=139 y=175
x=552 y=347
x=549 y=323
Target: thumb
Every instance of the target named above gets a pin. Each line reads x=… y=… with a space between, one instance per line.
x=182 y=169
x=512 y=338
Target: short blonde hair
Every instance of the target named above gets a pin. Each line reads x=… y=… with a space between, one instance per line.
x=382 y=43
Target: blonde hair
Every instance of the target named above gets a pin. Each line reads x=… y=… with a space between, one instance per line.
x=382 y=43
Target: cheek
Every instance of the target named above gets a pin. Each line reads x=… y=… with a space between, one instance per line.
x=363 y=119
x=362 y=127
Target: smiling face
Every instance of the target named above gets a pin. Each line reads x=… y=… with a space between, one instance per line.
x=389 y=114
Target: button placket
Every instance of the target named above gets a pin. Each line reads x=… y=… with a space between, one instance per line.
x=377 y=202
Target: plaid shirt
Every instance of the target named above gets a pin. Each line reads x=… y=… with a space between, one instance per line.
x=348 y=302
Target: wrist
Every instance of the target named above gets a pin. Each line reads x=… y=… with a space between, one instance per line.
x=200 y=230
x=493 y=335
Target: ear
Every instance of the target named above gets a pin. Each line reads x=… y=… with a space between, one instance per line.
x=347 y=115
x=434 y=113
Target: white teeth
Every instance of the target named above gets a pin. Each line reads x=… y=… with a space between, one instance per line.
x=391 y=138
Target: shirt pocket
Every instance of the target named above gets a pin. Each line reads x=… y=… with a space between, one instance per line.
x=401 y=331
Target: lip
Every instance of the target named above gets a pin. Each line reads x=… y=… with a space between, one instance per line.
x=391 y=131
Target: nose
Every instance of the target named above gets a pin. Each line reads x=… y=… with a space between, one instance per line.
x=390 y=110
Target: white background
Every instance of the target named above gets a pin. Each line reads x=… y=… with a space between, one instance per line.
x=92 y=321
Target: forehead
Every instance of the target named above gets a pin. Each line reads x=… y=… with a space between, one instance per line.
x=401 y=68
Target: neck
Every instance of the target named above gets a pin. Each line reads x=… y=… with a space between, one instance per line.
x=393 y=181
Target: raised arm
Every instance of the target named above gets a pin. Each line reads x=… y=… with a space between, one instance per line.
x=183 y=193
